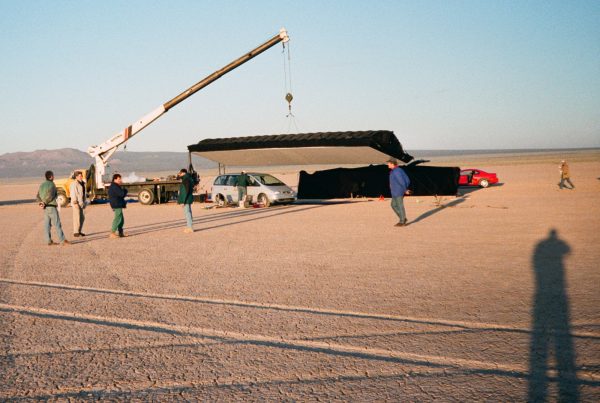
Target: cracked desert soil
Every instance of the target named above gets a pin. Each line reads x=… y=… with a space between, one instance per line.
x=475 y=300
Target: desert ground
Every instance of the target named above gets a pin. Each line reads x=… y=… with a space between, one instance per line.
x=489 y=296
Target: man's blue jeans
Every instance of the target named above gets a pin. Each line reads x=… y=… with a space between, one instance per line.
x=398 y=207
x=187 y=210
x=241 y=193
x=51 y=218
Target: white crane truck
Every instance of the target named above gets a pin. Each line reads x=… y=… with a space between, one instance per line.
x=149 y=191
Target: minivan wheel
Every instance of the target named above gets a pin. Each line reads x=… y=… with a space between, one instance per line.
x=219 y=200
x=263 y=199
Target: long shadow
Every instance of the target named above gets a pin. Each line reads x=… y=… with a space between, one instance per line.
x=111 y=349
x=463 y=190
x=392 y=334
x=467 y=190
x=166 y=393
x=7 y=362
x=429 y=213
x=14 y=202
x=180 y=223
x=366 y=355
x=250 y=305
x=327 y=202
x=280 y=344
x=551 y=323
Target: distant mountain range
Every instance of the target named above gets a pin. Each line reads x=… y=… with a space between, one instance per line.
x=63 y=161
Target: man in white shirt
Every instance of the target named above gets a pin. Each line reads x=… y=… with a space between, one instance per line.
x=78 y=203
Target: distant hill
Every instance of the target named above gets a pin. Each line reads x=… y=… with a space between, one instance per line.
x=63 y=161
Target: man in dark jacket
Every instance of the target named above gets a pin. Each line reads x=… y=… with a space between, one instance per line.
x=46 y=198
x=116 y=197
x=186 y=197
x=242 y=185
x=399 y=183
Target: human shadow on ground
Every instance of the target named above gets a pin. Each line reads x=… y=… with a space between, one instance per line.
x=237 y=390
x=7 y=362
x=467 y=190
x=463 y=190
x=282 y=343
x=551 y=324
x=15 y=202
x=429 y=213
x=247 y=215
x=328 y=202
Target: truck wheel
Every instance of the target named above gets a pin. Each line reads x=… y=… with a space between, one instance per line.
x=62 y=200
x=146 y=196
x=263 y=199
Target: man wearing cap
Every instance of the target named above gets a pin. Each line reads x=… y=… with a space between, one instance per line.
x=565 y=175
x=399 y=183
x=242 y=184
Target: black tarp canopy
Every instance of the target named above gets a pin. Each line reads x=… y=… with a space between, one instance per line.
x=373 y=181
x=351 y=147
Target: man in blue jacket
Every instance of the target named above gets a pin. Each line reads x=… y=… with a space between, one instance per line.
x=116 y=197
x=399 y=183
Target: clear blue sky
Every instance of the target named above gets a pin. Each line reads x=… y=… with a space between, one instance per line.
x=440 y=74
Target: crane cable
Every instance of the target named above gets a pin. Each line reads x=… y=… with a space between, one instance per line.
x=287 y=76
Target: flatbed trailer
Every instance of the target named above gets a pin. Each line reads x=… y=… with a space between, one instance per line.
x=147 y=192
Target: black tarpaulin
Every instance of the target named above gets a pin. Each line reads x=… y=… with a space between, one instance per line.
x=373 y=181
x=358 y=147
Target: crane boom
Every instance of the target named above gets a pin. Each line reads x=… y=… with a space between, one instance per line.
x=104 y=151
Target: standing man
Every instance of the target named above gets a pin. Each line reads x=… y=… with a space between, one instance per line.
x=186 y=197
x=242 y=185
x=565 y=175
x=46 y=198
x=399 y=183
x=78 y=203
x=116 y=197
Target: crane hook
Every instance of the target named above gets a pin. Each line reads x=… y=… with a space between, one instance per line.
x=289 y=97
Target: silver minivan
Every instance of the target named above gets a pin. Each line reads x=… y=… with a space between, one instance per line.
x=264 y=189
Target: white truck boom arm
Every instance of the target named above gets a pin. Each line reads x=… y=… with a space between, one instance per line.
x=102 y=153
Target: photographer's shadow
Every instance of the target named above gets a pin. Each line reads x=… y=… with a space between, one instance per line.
x=551 y=324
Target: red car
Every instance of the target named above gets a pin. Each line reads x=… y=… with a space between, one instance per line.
x=476 y=177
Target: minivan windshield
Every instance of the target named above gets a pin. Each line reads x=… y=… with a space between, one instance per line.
x=268 y=180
